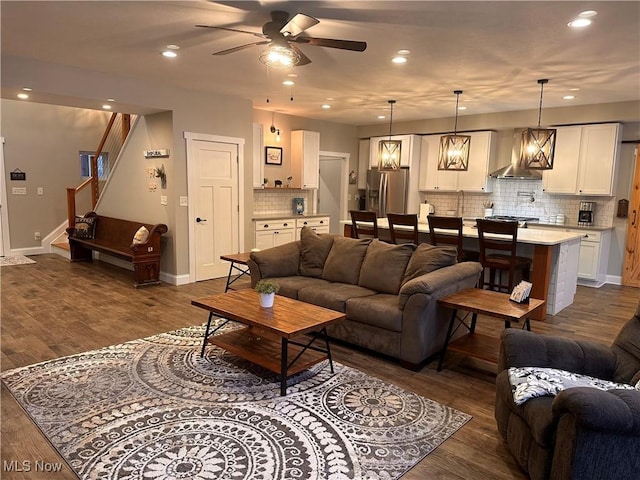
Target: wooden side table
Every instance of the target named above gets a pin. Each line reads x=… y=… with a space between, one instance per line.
x=239 y=264
x=485 y=302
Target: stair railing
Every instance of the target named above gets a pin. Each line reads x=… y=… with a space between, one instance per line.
x=93 y=181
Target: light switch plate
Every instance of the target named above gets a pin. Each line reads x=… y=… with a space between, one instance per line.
x=184 y=201
x=163 y=200
x=19 y=191
x=40 y=190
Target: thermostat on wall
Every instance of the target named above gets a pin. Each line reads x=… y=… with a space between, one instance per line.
x=156 y=153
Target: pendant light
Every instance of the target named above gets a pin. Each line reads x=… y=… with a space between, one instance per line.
x=538 y=144
x=389 y=150
x=454 y=149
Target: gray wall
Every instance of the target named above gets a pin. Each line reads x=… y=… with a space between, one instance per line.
x=44 y=141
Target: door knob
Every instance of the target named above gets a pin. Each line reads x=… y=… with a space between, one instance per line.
x=198 y=219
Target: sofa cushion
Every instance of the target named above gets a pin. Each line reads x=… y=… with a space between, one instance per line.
x=333 y=295
x=380 y=310
x=314 y=250
x=280 y=261
x=428 y=258
x=384 y=265
x=345 y=259
x=289 y=286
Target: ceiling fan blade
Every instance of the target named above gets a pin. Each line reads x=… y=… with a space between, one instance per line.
x=241 y=47
x=331 y=43
x=304 y=60
x=298 y=24
x=233 y=30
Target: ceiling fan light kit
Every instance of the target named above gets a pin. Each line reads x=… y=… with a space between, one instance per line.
x=454 y=149
x=538 y=144
x=281 y=34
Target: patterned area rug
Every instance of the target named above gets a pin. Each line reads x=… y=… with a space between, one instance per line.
x=154 y=409
x=15 y=260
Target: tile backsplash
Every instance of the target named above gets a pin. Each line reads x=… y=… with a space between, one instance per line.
x=279 y=201
x=513 y=197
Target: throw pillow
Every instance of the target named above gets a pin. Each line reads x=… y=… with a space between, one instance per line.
x=141 y=236
x=345 y=259
x=85 y=227
x=532 y=382
x=384 y=265
x=428 y=258
x=314 y=250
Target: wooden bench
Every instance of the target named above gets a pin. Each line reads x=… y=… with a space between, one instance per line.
x=114 y=236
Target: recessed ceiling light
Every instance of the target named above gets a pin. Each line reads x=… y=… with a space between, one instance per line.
x=23 y=96
x=462 y=108
x=579 y=23
x=330 y=99
x=588 y=14
x=106 y=107
x=381 y=117
x=574 y=89
x=169 y=54
x=399 y=60
x=292 y=75
x=404 y=51
x=326 y=106
x=569 y=97
x=288 y=83
x=173 y=47
x=111 y=99
x=27 y=89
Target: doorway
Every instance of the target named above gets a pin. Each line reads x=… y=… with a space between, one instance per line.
x=4 y=218
x=332 y=189
x=215 y=202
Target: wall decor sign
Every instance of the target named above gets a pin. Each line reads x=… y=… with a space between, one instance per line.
x=156 y=153
x=18 y=174
x=273 y=155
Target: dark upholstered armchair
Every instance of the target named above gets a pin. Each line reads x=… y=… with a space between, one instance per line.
x=582 y=433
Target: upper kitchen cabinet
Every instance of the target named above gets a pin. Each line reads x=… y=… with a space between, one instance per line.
x=258 y=162
x=364 y=149
x=409 y=150
x=585 y=160
x=305 y=158
x=474 y=179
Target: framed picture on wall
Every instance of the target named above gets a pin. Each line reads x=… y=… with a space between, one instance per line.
x=273 y=155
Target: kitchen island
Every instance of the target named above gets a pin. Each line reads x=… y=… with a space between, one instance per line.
x=555 y=256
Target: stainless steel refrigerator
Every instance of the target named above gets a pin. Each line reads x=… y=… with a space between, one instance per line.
x=387 y=191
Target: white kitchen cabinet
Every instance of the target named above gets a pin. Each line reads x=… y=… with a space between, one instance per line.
x=317 y=224
x=272 y=233
x=586 y=160
x=305 y=158
x=258 y=149
x=594 y=256
x=364 y=150
x=409 y=150
x=474 y=179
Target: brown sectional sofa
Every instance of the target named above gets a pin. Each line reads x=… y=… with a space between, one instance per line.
x=388 y=292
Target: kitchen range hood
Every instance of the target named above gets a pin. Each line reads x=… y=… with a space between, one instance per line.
x=514 y=170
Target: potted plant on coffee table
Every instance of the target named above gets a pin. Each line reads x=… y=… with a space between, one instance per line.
x=267 y=290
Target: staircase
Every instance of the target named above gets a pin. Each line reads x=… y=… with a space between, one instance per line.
x=113 y=139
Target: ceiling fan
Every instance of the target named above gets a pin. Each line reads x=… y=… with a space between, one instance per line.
x=282 y=34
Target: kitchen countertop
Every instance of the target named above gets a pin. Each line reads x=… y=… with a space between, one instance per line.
x=573 y=226
x=279 y=216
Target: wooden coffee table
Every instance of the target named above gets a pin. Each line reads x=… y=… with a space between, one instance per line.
x=269 y=337
x=485 y=302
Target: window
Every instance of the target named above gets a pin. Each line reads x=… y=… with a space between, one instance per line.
x=85 y=164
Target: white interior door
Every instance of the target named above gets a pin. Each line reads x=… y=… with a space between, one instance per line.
x=214 y=205
x=332 y=189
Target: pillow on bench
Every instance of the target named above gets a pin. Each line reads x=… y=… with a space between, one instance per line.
x=85 y=227
x=141 y=236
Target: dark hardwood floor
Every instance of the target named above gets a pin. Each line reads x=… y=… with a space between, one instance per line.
x=54 y=308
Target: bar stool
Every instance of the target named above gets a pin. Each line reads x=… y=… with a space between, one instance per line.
x=369 y=229
x=403 y=220
x=448 y=231
x=502 y=262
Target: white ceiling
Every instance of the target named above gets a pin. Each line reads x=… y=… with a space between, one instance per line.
x=493 y=51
